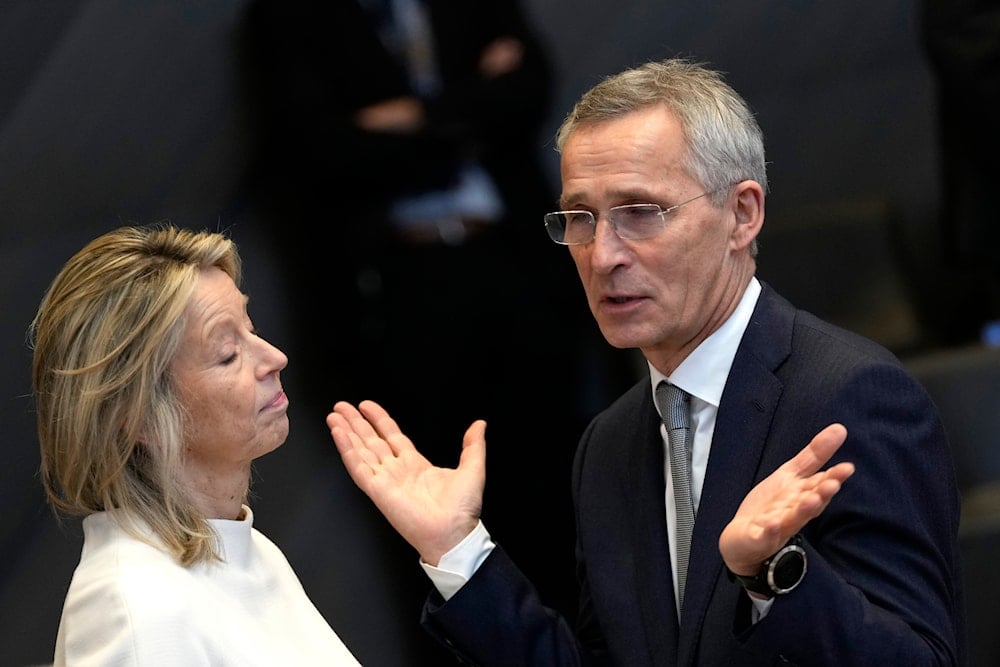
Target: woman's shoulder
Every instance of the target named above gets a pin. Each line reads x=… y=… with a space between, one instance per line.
x=125 y=594
x=118 y=565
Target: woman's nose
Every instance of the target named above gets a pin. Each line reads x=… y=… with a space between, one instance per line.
x=272 y=358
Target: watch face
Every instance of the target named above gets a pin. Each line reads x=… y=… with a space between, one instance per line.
x=788 y=568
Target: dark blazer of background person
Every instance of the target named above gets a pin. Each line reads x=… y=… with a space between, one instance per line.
x=875 y=592
x=313 y=66
x=329 y=62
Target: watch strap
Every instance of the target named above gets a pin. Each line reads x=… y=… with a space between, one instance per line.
x=763 y=582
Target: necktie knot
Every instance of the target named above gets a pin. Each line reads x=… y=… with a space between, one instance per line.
x=674 y=405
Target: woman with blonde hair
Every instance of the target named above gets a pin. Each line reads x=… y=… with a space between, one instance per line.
x=154 y=395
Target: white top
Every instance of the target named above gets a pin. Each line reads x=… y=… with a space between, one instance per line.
x=131 y=603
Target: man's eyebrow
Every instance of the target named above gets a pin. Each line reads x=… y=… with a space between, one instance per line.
x=630 y=194
x=565 y=200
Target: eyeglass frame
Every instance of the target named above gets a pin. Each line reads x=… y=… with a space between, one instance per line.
x=662 y=212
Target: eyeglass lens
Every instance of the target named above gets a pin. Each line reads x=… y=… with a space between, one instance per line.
x=631 y=221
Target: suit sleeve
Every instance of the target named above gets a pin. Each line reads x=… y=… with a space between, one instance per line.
x=882 y=585
x=497 y=618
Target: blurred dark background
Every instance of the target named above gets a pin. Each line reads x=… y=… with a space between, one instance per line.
x=134 y=111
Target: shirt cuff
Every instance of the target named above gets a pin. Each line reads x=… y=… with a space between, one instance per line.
x=461 y=562
x=760 y=608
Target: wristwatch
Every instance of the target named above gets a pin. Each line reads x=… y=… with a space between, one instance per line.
x=780 y=573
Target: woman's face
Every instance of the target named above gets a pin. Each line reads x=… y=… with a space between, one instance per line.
x=227 y=380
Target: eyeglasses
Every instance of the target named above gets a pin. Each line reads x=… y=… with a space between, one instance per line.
x=633 y=222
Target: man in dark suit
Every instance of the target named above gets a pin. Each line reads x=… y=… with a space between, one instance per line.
x=843 y=552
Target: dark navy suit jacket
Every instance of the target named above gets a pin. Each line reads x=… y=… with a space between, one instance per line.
x=883 y=582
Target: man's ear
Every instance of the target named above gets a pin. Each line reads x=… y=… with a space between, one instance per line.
x=748 y=208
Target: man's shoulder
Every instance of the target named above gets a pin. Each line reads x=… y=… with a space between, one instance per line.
x=809 y=334
x=634 y=398
x=631 y=409
x=821 y=337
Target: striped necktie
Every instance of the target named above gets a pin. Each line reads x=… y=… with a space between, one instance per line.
x=675 y=406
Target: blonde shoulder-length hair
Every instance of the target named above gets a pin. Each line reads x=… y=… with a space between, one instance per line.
x=110 y=424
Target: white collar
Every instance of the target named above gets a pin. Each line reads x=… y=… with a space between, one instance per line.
x=704 y=371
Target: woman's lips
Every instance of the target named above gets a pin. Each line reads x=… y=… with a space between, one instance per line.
x=279 y=400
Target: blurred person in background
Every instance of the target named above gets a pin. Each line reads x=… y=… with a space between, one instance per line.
x=961 y=39
x=401 y=150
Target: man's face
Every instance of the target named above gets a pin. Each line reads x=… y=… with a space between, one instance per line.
x=664 y=294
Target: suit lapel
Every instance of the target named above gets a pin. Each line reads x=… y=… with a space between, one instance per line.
x=747 y=406
x=653 y=576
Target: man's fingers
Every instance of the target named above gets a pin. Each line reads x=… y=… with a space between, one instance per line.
x=818 y=452
x=474 y=446
x=351 y=419
x=827 y=486
x=359 y=432
x=840 y=472
x=385 y=426
x=378 y=417
x=341 y=432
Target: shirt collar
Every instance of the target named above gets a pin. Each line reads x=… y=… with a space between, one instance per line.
x=704 y=371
